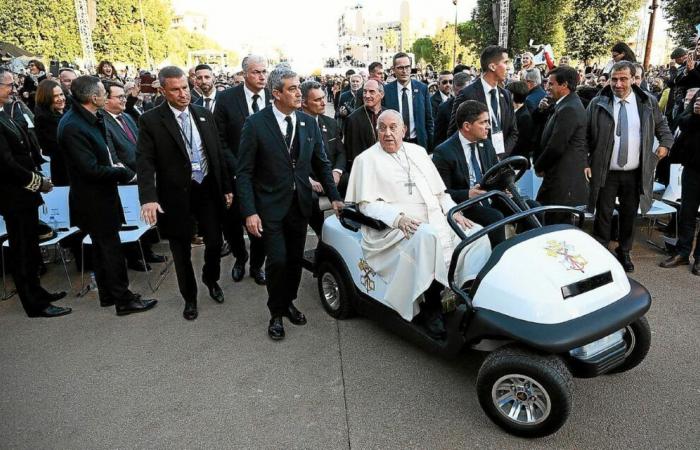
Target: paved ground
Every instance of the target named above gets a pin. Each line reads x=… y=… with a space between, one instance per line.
x=93 y=380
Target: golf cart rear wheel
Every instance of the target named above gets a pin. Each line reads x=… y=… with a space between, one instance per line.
x=334 y=291
x=638 y=340
x=525 y=393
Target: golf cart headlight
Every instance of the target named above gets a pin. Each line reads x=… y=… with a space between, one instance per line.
x=590 y=350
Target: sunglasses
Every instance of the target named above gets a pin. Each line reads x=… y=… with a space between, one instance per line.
x=446 y=82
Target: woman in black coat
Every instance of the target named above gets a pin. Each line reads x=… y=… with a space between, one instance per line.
x=50 y=104
x=36 y=74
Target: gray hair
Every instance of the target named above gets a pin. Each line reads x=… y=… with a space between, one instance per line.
x=169 y=72
x=355 y=75
x=622 y=65
x=380 y=86
x=308 y=85
x=275 y=82
x=390 y=112
x=252 y=59
x=460 y=80
x=84 y=88
x=533 y=75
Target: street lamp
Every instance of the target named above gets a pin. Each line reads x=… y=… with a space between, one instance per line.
x=454 y=40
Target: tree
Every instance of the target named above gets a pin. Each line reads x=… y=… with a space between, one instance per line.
x=481 y=31
x=391 y=40
x=594 y=26
x=443 y=44
x=423 y=49
x=683 y=15
x=542 y=21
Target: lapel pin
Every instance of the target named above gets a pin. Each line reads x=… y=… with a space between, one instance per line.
x=303 y=124
x=415 y=91
x=324 y=129
x=202 y=119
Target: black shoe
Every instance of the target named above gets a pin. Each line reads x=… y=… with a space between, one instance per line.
x=225 y=249
x=294 y=315
x=54 y=296
x=434 y=324
x=106 y=303
x=138 y=265
x=276 y=329
x=52 y=311
x=190 y=311
x=136 y=305
x=238 y=271
x=259 y=276
x=674 y=261
x=153 y=258
x=696 y=267
x=215 y=292
x=625 y=261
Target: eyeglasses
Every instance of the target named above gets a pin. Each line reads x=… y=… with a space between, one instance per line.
x=403 y=68
x=120 y=97
x=383 y=128
x=7 y=84
x=446 y=82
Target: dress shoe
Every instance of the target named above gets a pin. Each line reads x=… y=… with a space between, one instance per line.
x=135 y=305
x=138 y=265
x=294 y=315
x=625 y=261
x=238 y=271
x=259 y=276
x=696 y=267
x=276 y=328
x=52 y=311
x=54 y=296
x=225 y=249
x=674 y=261
x=435 y=324
x=190 y=311
x=153 y=258
x=215 y=292
x=106 y=303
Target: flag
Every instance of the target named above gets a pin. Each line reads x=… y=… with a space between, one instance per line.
x=545 y=56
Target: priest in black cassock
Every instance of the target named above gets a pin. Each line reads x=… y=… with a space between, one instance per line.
x=360 y=128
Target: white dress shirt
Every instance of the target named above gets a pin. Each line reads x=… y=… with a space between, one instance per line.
x=195 y=141
x=280 y=116
x=492 y=113
x=409 y=94
x=262 y=101
x=634 y=133
x=467 y=148
x=211 y=96
x=443 y=97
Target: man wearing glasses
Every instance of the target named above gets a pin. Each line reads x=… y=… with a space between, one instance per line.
x=443 y=93
x=411 y=99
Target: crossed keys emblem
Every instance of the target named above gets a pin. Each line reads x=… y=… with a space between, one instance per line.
x=568 y=260
x=367 y=274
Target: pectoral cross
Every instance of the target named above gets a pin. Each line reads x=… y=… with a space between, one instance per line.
x=410 y=185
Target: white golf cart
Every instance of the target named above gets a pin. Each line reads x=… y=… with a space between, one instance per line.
x=550 y=304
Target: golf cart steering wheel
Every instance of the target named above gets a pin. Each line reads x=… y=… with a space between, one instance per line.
x=504 y=174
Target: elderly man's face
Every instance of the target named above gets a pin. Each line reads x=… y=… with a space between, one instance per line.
x=390 y=130
x=177 y=92
x=66 y=77
x=289 y=98
x=371 y=94
x=315 y=102
x=355 y=82
x=256 y=76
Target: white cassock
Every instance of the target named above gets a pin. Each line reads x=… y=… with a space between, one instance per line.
x=379 y=184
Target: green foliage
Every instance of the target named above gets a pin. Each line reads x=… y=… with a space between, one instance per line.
x=683 y=15
x=443 y=45
x=542 y=21
x=594 y=26
x=391 y=40
x=423 y=50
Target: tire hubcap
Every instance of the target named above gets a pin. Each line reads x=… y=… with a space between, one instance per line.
x=521 y=399
x=630 y=340
x=331 y=293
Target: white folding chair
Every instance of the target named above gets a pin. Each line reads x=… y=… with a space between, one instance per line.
x=658 y=209
x=55 y=213
x=46 y=167
x=529 y=184
x=131 y=232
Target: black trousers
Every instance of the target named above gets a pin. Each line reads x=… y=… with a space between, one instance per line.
x=206 y=209
x=284 y=248
x=25 y=257
x=109 y=266
x=233 y=227
x=623 y=185
x=690 y=202
x=497 y=210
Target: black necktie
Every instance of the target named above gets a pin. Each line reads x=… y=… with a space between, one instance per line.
x=475 y=162
x=256 y=108
x=496 y=127
x=404 y=112
x=288 y=136
x=207 y=103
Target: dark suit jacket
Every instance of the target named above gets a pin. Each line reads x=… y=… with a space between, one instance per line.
x=124 y=148
x=475 y=91
x=442 y=121
x=534 y=97
x=131 y=108
x=526 y=133
x=435 y=102
x=230 y=112
x=94 y=200
x=453 y=167
x=564 y=155
x=18 y=169
x=266 y=180
x=422 y=112
x=332 y=143
x=164 y=167
x=350 y=101
x=199 y=101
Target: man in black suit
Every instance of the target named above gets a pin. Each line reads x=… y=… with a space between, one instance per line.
x=525 y=144
x=351 y=99
x=94 y=200
x=204 y=77
x=20 y=188
x=504 y=130
x=442 y=119
x=279 y=149
x=360 y=128
x=564 y=154
x=313 y=103
x=463 y=159
x=443 y=93
x=233 y=107
x=182 y=176
x=66 y=75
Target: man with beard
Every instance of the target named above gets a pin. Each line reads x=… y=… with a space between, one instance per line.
x=204 y=77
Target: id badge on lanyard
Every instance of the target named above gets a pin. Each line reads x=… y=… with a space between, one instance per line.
x=498 y=142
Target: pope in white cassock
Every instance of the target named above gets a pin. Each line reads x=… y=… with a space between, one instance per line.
x=397 y=183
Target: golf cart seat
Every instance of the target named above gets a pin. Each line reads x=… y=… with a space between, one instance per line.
x=352 y=219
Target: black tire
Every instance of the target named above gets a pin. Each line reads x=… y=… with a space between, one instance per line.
x=638 y=340
x=543 y=381
x=335 y=291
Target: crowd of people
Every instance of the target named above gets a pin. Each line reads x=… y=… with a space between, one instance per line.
x=217 y=156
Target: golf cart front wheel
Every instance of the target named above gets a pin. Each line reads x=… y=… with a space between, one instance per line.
x=334 y=291
x=638 y=340
x=525 y=393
